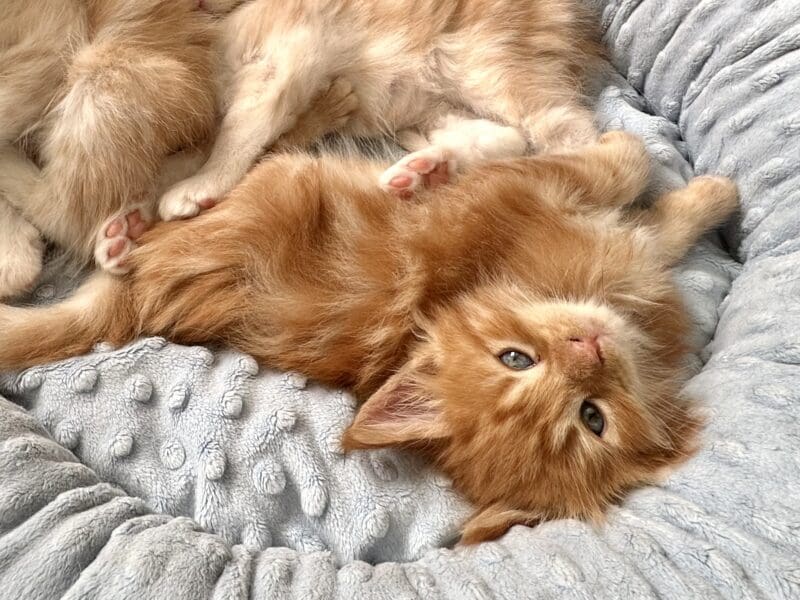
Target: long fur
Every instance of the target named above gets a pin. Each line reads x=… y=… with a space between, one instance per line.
x=309 y=267
x=412 y=64
x=101 y=93
x=97 y=93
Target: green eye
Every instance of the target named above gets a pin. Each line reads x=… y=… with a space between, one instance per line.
x=593 y=418
x=514 y=359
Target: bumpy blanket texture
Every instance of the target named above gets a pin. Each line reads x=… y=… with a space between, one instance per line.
x=160 y=471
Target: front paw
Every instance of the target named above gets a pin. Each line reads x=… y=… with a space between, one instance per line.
x=117 y=238
x=187 y=198
x=428 y=167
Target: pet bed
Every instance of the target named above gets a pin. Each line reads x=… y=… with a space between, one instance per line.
x=160 y=471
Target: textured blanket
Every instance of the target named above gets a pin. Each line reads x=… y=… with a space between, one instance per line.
x=160 y=471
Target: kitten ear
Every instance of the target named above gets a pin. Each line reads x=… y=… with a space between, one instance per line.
x=401 y=411
x=492 y=522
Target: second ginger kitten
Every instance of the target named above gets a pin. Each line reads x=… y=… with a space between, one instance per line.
x=520 y=326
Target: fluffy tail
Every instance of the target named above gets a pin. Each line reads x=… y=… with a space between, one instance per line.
x=99 y=311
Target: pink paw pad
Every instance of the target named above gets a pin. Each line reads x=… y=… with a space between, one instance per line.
x=427 y=168
x=116 y=239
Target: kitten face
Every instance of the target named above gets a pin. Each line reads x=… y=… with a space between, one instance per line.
x=539 y=409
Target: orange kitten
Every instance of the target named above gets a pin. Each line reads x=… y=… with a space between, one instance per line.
x=517 y=326
x=457 y=81
x=103 y=92
x=99 y=93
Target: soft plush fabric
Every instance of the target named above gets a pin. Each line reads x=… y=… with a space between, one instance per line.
x=159 y=471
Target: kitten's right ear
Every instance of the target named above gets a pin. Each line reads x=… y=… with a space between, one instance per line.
x=401 y=411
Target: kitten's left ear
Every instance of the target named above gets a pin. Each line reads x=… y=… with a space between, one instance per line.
x=401 y=411
x=492 y=522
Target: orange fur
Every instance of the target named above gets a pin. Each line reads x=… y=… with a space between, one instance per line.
x=309 y=267
x=101 y=93
x=433 y=72
x=130 y=83
x=98 y=93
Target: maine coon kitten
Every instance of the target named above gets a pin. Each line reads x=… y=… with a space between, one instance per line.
x=423 y=69
x=516 y=325
x=99 y=93
x=103 y=91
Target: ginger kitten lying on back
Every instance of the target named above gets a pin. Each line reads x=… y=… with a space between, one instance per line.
x=515 y=325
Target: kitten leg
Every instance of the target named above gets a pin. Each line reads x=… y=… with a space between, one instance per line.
x=537 y=98
x=105 y=141
x=682 y=216
x=21 y=247
x=492 y=522
x=21 y=252
x=560 y=128
x=429 y=167
x=117 y=236
x=615 y=169
x=609 y=174
x=113 y=241
x=554 y=121
x=457 y=143
x=259 y=113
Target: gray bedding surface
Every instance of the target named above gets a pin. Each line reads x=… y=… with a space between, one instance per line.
x=161 y=471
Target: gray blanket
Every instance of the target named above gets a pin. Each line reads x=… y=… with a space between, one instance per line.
x=160 y=471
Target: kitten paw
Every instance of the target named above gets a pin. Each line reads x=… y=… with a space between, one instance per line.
x=426 y=168
x=719 y=194
x=329 y=112
x=117 y=237
x=338 y=103
x=187 y=198
x=21 y=255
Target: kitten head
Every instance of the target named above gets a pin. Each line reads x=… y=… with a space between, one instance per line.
x=536 y=409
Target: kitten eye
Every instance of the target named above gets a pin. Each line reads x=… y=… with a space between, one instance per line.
x=593 y=418
x=514 y=359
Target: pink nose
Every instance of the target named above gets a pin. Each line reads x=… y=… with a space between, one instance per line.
x=588 y=346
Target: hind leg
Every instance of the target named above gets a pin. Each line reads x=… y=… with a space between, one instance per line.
x=125 y=110
x=117 y=237
x=266 y=101
x=455 y=144
x=540 y=100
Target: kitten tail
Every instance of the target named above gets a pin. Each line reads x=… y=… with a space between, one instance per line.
x=99 y=311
